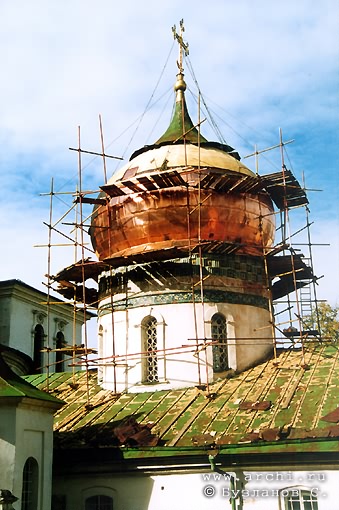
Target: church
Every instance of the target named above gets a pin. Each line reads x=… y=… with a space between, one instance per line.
x=189 y=400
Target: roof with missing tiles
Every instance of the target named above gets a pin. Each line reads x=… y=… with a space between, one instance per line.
x=288 y=403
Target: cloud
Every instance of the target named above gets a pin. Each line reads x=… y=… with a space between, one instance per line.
x=263 y=66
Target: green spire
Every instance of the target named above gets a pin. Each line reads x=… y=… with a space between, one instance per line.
x=181 y=126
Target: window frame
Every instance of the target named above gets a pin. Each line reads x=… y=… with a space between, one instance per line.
x=221 y=350
x=287 y=502
x=98 y=490
x=59 y=355
x=152 y=358
x=97 y=504
x=30 y=484
x=38 y=345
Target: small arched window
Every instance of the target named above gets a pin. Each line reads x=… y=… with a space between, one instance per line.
x=38 y=345
x=150 y=343
x=30 y=485
x=99 y=502
x=59 y=355
x=219 y=333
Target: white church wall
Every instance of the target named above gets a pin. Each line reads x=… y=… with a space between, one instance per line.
x=200 y=491
x=178 y=325
x=22 y=309
x=26 y=432
x=34 y=439
x=7 y=446
x=253 y=333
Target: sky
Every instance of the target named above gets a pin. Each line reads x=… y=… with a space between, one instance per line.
x=261 y=67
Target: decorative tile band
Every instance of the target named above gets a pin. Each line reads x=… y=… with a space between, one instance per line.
x=239 y=267
x=166 y=298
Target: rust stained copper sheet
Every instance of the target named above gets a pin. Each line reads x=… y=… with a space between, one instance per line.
x=141 y=222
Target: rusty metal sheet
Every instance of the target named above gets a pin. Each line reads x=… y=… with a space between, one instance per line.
x=225 y=182
x=285 y=286
x=332 y=417
x=175 y=179
x=147 y=183
x=132 y=186
x=281 y=265
x=203 y=440
x=299 y=433
x=255 y=406
x=207 y=181
x=126 y=429
x=81 y=270
x=168 y=179
x=226 y=439
x=334 y=431
x=81 y=294
x=273 y=434
x=92 y=201
x=112 y=190
x=248 y=185
x=132 y=433
x=252 y=437
x=284 y=189
x=143 y=438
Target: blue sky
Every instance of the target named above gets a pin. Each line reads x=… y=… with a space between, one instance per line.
x=260 y=66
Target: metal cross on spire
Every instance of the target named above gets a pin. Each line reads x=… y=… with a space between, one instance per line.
x=182 y=45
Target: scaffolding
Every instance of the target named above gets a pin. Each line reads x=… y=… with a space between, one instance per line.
x=294 y=269
x=286 y=270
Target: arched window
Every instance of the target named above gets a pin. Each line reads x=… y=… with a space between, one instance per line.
x=99 y=502
x=219 y=333
x=149 y=341
x=30 y=484
x=297 y=498
x=39 y=336
x=59 y=355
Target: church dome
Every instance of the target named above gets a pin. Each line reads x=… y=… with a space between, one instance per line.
x=181 y=145
x=181 y=190
x=168 y=156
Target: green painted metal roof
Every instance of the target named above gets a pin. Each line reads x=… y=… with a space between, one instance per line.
x=12 y=385
x=181 y=126
x=287 y=404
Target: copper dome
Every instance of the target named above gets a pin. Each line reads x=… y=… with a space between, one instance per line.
x=181 y=191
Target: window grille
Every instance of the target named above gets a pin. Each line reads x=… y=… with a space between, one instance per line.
x=29 y=496
x=219 y=333
x=150 y=346
x=300 y=499
x=99 y=502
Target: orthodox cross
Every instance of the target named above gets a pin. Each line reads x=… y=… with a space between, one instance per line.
x=182 y=45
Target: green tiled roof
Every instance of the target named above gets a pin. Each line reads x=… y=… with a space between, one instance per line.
x=285 y=404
